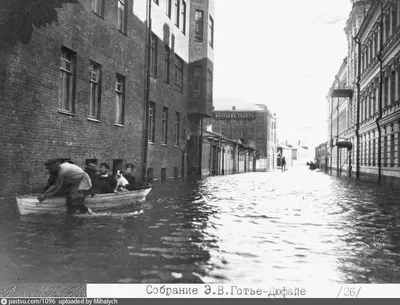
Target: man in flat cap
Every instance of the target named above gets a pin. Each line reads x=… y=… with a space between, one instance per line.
x=73 y=178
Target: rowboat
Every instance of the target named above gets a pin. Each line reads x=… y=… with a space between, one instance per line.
x=28 y=204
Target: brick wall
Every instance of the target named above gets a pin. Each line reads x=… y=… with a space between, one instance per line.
x=33 y=130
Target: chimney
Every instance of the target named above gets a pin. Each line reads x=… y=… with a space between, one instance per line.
x=233 y=107
x=299 y=143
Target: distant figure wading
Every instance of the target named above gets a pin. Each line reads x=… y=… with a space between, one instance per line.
x=283 y=164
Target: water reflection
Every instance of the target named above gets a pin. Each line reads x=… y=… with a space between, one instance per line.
x=298 y=226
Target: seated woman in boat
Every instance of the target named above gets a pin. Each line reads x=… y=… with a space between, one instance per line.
x=73 y=178
x=105 y=182
x=130 y=177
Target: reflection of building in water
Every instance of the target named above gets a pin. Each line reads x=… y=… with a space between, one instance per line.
x=253 y=124
x=77 y=89
x=364 y=100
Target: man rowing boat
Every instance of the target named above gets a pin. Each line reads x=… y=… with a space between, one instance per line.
x=74 y=179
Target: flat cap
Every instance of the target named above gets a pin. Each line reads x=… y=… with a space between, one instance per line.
x=51 y=162
x=129 y=165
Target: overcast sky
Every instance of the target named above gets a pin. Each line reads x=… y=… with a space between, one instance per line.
x=283 y=53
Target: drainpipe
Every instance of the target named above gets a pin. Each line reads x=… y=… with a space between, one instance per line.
x=357 y=131
x=147 y=91
x=200 y=146
x=380 y=95
x=330 y=145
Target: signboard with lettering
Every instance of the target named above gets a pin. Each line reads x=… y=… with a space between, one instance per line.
x=230 y=115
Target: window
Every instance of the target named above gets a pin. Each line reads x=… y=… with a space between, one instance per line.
x=164 y=125
x=168 y=7
x=153 y=55
x=149 y=174
x=121 y=16
x=183 y=13
x=167 y=61
x=177 y=127
x=176 y=173
x=98 y=7
x=67 y=83
x=198 y=35
x=120 y=99
x=152 y=122
x=178 y=73
x=117 y=166
x=163 y=174
x=209 y=83
x=177 y=13
x=197 y=71
x=94 y=81
x=211 y=32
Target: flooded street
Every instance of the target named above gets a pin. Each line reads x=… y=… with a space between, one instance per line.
x=295 y=227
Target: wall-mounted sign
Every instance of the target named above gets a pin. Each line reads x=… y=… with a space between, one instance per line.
x=229 y=115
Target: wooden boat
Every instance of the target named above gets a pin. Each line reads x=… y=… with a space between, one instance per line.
x=28 y=204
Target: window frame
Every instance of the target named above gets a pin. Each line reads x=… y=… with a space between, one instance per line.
x=98 y=7
x=178 y=73
x=168 y=8
x=164 y=126
x=197 y=79
x=167 y=64
x=120 y=97
x=67 y=59
x=211 y=32
x=122 y=20
x=153 y=55
x=199 y=35
x=96 y=102
x=177 y=127
x=183 y=15
x=151 y=123
x=177 y=13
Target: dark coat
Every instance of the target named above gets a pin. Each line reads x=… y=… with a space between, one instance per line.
x=105 y=184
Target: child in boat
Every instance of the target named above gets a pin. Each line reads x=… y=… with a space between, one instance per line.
x=105 y=182
x=130 y=177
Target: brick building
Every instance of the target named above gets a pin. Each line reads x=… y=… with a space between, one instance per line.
x=253 y=124
x=181 y=85
x=77 y=90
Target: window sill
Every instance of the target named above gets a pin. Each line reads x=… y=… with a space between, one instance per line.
x=150 y=143
x=66 y=112
x=153 y=75
x=164 y=145
x=176 y=145
x=198 y=40
x=123 y=33
x=98 y=15
x=119 y=125
x=93 y=119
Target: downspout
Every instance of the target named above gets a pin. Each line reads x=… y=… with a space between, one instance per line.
x=357 y=131
x=331 y=142
x=380 y=95
x=337 y=131
x=201 y=147
x=147 y=91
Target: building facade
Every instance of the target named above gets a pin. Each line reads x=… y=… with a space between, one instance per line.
x=371 y=93
x=253 y=124
x=79 y=89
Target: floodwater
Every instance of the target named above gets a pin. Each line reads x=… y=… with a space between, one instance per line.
x=293 y=227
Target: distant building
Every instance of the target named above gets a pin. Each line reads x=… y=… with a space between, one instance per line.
x=253 y=124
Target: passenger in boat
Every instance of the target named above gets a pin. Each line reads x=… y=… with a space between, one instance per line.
x=91 y=170
x=105 y=181
x=73 y=178
x=130 y=177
